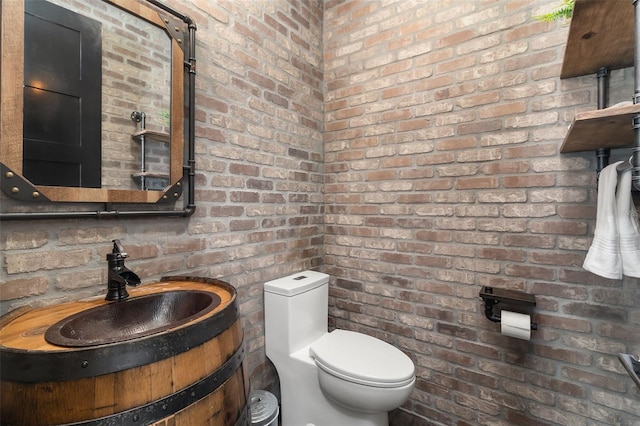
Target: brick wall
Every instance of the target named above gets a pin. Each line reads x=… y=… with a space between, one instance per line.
x=259 y=176
x=440 y=146
x=442 y=128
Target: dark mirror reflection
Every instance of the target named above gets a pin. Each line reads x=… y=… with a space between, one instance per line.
x=88 y=66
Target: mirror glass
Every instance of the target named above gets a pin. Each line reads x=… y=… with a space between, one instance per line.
x=101 y=89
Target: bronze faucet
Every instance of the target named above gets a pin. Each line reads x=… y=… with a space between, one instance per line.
x=119 y=276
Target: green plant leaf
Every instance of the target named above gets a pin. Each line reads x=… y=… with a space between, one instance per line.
x=565 y=11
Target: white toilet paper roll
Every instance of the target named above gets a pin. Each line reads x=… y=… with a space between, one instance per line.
x=516 y=325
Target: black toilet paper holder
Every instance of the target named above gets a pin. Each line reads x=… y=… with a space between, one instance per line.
x=493 y=296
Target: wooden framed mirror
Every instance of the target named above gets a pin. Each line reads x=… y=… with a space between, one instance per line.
x=142 y=71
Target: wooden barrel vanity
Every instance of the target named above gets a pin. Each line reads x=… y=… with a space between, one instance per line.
x=191 y=374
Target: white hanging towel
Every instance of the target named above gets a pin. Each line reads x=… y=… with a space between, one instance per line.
x=628 y=227
x=603 y=257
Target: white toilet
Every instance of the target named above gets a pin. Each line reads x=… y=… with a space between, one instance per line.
x=340 y=378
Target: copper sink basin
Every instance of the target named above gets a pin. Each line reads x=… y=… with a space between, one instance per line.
x=131 y=318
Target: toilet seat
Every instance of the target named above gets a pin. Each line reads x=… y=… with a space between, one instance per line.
x=362 y=359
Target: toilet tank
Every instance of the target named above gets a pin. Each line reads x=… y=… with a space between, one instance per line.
x=296 y=310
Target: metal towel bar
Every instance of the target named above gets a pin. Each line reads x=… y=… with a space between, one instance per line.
x=627 y=165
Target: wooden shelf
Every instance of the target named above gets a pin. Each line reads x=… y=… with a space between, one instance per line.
x=604 y=128
x=150 y=175
x=601 y=35
x=151 y=134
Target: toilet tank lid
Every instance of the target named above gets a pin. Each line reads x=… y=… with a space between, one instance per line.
x=296 y=283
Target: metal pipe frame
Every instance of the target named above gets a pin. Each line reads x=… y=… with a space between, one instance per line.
x=602 y=154
x=635 y=153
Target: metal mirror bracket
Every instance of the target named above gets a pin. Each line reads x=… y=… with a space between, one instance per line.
x=17 y=187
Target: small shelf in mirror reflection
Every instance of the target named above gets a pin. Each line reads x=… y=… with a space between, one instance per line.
x=149 y=180
x=153 y=135
x=152 y=181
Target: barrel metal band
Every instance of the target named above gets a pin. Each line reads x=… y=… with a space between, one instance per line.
x=162 y=408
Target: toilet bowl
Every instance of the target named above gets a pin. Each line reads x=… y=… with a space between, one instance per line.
x=329 y=378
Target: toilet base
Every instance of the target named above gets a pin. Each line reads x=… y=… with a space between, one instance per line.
x=363 y=419
x=304 y=404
